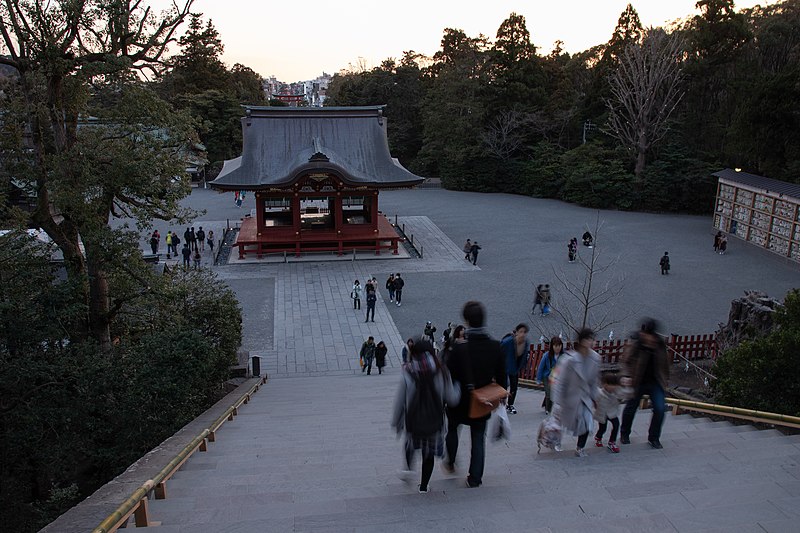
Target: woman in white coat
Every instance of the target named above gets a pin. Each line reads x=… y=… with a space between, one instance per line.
x=576 y=383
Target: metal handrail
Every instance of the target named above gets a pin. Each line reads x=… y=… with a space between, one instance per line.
x=113 y=521
x=752 y=415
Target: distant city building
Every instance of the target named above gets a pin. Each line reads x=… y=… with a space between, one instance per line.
x=311 y=93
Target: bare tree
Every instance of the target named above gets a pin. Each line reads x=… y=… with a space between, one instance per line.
x=591 y=295
x=505 y=134
x=645 y=89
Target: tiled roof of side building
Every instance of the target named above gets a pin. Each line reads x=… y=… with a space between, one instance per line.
x=760 y=182
x=281 y=143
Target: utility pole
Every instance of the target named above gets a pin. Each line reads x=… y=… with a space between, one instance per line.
x=587 y=126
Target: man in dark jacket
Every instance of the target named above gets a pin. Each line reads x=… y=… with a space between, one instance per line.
x=474 y=364
x=646 y=366
x=515 y=350
x=398 y=289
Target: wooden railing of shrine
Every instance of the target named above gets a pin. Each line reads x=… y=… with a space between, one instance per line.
x=689 y=347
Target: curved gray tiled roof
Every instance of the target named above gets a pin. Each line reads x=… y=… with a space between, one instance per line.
x=760 y=182
x=281 y=142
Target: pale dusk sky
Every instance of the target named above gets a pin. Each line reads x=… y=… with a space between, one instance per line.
x=297 y=41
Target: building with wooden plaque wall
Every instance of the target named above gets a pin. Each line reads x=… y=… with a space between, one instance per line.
x=762 y=211
x=316 y=174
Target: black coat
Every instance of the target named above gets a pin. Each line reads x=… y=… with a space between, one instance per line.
x=380 y=356
x=475 y=364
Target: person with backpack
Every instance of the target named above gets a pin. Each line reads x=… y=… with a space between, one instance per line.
x=474 y=364
x=546 y=367
x=425 y=386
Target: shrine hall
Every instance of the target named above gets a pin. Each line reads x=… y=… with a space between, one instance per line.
x=315 y=174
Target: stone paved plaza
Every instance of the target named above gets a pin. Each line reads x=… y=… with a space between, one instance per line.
x=313 y=450
x=298 y=315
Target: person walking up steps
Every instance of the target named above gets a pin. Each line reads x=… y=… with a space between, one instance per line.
x=398 y=288
x=515 y=349
x=646 y=368
x=546 y=367
x=367 y=354
x=380 y=356
x=609 y=398
x=425 y=385
x=473 y=364
x=575 y=389
x=467 y=249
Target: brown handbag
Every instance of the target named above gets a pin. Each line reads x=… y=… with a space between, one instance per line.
x=486 y=399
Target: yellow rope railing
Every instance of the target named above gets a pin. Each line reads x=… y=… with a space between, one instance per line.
x=136 y=504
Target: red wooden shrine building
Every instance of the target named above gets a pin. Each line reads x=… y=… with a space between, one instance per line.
x=316 y=174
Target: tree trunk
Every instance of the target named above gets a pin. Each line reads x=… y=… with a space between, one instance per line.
x=99 y=303
x=641 y=159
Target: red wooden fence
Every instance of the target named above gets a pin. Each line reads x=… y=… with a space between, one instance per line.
x=689 y=346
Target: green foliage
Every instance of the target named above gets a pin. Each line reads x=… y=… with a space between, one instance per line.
x=72 y=415
x=764 y=374
x=594 y=176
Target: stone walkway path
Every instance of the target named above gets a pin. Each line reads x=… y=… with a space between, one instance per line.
x=316 y=454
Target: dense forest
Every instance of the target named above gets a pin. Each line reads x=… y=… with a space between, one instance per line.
x=639 y=122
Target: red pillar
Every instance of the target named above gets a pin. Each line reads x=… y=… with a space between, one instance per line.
x=296 y=224
x=259 y=220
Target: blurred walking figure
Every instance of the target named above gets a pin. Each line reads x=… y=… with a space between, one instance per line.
x=380 y=356
x=610 y=395
x=537 y=297
x=572 y=249
x=211 y=240
x=575 y=389
x=467 y=249
x=717 y=238
x=723 y=244
x=425 y=386
x=201 y=239
x=546 y=300
x=367 y=354
x=372 y=297
x=646 y=368
x=406 y=353
x=474 y=249
x=196 y=259
x=168 y=240
x=187 y=254
x=546 y=367
x=474 y=364
x=515 y=349
x=154 y=242
x=355 y=294
x=398 y=289
x=664 y=263
x=588 y=240
x=428 y=333
x=390 y=287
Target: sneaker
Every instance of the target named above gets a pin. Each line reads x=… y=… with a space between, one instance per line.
x=471 y=484
x=656 y=444
x=511 y=409
x=558 y=448
x=613 y=446
x=599 y=442
x=448 y=468
x=625 y=439
x=580 y=452
x=423 y=490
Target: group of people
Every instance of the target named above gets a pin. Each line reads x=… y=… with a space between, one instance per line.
x=471 y=250
x=394 y=285
x=436 y=387
x=194 y=242
x=373 y=352
x=577 y=393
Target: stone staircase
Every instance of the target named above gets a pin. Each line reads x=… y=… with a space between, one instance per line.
x=317 y=454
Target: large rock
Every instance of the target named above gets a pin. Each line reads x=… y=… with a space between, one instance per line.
x=750 y=316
